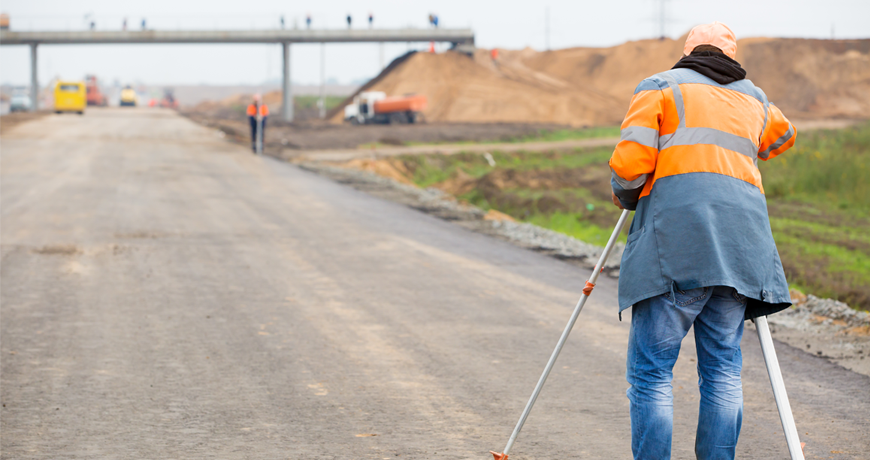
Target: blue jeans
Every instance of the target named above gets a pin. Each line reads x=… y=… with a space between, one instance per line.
x=658 y=325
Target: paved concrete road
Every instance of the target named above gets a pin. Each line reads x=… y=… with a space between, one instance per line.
x=168 y=295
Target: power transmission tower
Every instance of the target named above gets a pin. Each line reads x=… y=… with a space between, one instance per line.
x=663 y=18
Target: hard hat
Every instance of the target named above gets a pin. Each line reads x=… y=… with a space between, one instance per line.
x=716 y=34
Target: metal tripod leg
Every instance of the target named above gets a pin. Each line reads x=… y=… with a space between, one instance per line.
x=785 y=414
x=586 y=291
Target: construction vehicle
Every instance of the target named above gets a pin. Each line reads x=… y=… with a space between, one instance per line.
x=70 y=96
x=168 y=100
x=20 y=102
x=129 y=97
x=374 y=107
x=95 y=96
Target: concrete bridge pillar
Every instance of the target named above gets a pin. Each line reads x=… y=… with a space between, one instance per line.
x=287 y=97
x=34 y=82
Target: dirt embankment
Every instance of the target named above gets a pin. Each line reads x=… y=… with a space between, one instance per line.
x=321 y=136
x=808 y=79
x=12 y=120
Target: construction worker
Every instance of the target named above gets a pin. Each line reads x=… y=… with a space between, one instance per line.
x=700 y=251
x=252 y=118
x=349 y=19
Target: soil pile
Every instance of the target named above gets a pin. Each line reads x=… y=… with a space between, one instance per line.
x=461 y=89
x=808 y=79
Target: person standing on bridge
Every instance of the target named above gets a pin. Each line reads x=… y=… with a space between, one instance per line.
x=253 y=109
x=700 y=250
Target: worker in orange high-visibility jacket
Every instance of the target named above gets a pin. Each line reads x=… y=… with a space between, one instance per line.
x=252 y=118
x=700 y=251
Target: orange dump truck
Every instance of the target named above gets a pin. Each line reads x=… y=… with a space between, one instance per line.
x=375 y=107
x=95 y=96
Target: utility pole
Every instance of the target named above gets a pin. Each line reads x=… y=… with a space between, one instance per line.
x=322 y=101
x=382 y=55
x=547 y=26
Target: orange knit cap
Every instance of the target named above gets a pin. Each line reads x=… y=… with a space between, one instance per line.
x=716 y=34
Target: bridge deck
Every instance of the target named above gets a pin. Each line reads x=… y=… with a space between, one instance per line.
x=238 y=36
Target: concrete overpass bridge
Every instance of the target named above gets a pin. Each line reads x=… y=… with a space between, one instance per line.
x=458 y=37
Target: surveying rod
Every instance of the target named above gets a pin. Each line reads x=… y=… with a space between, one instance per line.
x=785 y=415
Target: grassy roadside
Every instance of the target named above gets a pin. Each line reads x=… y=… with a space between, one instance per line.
x=819 y=203
x=310 y=102
x=818 y=197
x=566 y=191
x=541 y=136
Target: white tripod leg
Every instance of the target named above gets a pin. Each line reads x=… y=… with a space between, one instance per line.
x=785 y=415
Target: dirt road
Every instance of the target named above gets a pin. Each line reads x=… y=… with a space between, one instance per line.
x=165 y=294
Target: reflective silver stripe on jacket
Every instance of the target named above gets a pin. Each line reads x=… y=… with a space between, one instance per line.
x=630 y=184
x=678 y=98
x=692 y=136
x=642 y=135
x=711 y=136
x=779 y=142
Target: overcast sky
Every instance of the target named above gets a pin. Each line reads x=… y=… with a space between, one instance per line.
x=503 y=23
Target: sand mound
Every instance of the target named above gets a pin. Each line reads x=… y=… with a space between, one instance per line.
x=811 y=78
x=460 y=89
x=592 y=86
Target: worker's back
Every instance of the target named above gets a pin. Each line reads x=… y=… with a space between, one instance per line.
x=701 y=216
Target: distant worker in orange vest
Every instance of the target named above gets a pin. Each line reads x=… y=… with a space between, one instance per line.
x=252 y=118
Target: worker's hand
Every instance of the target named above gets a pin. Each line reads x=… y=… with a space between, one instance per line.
x=616 y=200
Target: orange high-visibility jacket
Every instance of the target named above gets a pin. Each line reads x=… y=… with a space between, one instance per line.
x=687 y=163
x=264 y=110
